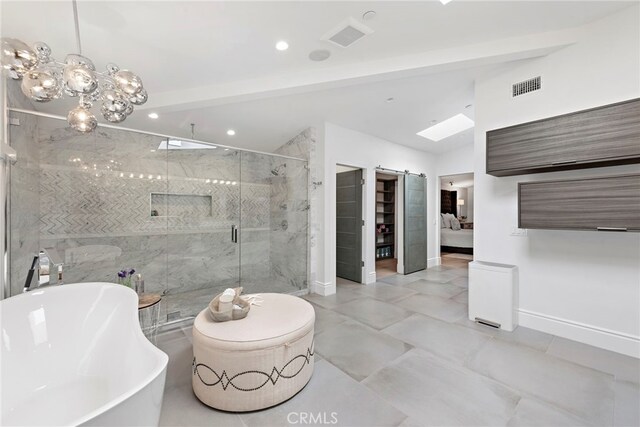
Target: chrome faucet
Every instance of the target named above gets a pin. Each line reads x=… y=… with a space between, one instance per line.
x=55 y=261
x=56 y=264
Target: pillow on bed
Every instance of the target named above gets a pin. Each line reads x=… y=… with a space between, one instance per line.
x=442 y=222
x=446 y=218
x=446 y=221
x=455 y=224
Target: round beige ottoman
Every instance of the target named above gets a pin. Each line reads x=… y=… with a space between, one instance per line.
x=256 y=362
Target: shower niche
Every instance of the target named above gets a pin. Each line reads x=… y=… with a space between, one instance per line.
x=118 y=199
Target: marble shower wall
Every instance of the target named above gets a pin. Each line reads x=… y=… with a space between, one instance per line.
x=117 y=199
x=304 y=146
x=100 y=196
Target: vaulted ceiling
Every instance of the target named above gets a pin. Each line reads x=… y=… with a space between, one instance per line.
x=214 y=63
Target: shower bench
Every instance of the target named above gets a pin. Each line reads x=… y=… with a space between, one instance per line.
x=256 y=362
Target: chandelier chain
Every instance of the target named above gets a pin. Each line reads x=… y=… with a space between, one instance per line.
x=77 y=23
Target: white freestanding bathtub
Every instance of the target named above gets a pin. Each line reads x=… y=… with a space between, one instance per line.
x=75 y=354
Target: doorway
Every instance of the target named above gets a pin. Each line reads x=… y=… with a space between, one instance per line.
x=456 y=218
x=387 y=227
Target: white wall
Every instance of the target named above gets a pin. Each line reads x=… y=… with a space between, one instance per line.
x=348 y=147
x=469 y=204
x=455 y=162
x=582 y=285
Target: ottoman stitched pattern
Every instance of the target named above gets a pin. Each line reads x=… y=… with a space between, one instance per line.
x=256 y=362
x=224 y=380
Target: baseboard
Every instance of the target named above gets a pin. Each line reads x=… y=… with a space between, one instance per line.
x=434 y=262
x=371 y=278
x=324 y=288
x=576 y=331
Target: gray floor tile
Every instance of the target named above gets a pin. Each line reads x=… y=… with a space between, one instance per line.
x=436 y=276
x=624 y=368
x=440 y=308
x=438 y=289
x=459 y=272
x=177 y=345
x=330 y=394
x=385 y=292
x=372 y=312
x=182 y=408
x=436 y=392
x=524 y=336
x=463 y=282
x=357 y=349
x=582 y=391
x=627 y=406
x=462 y=297
x=400 y=279
x=343 y=294
x=450 y=341
x=412 y=422
x=326 y=319
x=530 y=412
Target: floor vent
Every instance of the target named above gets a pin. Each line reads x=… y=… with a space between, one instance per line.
x=347 y=33
x=487 y=323
x=527 y=86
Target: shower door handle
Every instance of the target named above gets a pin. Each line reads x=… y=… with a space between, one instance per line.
x=234 y=234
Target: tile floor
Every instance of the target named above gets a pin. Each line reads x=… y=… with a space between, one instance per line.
x=402 y=352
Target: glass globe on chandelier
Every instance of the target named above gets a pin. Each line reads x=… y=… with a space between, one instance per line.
x=45 y=79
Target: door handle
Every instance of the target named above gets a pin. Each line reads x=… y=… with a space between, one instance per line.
x=234 y=234
x=611 y=228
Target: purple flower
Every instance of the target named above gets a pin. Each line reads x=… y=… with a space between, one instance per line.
x=122 y=274
x=131 y=272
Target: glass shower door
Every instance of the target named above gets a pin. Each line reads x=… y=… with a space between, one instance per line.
x=274 y=213
x=203 y=217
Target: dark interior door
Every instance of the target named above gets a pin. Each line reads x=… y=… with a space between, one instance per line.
x=349 y=225
x=415 y=224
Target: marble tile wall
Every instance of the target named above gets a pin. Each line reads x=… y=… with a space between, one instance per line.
x=304 y=145
x=92 y=202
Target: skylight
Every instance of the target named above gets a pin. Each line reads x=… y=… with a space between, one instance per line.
x=445 y=129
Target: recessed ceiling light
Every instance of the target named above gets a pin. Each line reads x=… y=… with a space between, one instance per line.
x=468 y=106
x=282 y=45
x=153 y=115
x=451 y=126
x=231 y=132
x=444 y=1
x=390 y=99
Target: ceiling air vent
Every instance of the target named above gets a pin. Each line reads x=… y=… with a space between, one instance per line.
x=526 y=86
x=347 y=33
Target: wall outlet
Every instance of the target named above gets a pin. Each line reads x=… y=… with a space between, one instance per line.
x=520 y=232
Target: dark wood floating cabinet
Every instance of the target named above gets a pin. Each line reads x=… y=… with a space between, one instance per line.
x=602 y=136
x=599 y=204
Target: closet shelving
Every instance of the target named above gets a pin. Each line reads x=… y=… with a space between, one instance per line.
x=385 y=218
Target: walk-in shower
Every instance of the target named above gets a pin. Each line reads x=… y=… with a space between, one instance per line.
x=192 y=217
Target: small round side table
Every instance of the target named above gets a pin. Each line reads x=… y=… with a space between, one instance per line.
x=149 y=314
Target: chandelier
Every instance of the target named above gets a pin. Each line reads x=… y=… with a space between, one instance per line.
x=45 y=79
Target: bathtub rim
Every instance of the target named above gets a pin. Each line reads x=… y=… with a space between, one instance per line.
x=155 y=371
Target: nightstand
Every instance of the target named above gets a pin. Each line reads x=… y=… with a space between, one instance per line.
x=466 y=225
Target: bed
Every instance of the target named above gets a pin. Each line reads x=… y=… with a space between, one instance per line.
x=456 y=241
